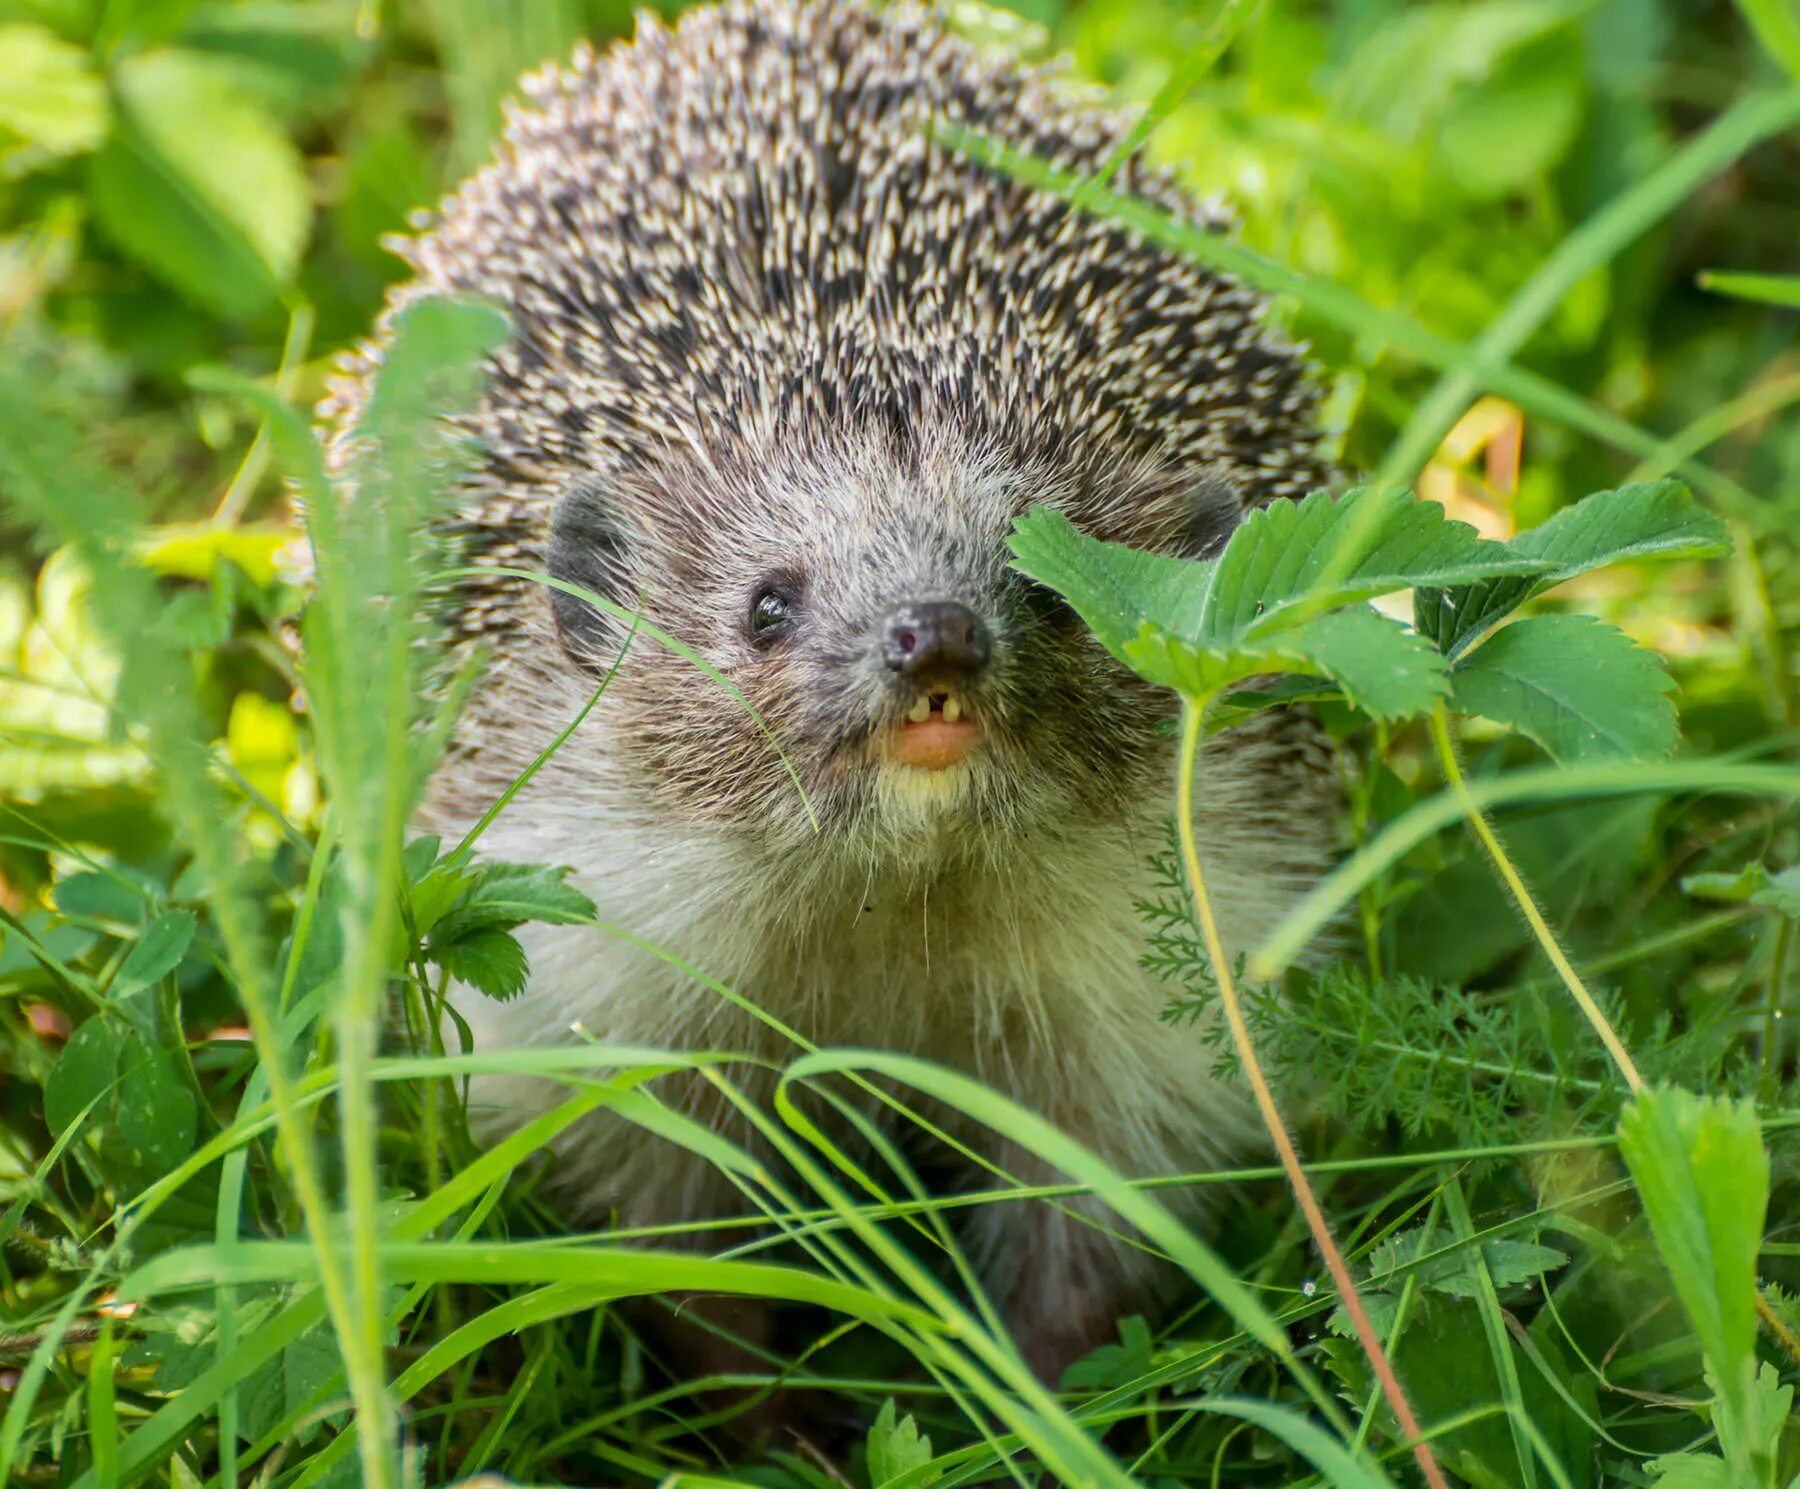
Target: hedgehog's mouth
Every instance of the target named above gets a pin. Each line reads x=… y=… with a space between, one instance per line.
x=938 y=730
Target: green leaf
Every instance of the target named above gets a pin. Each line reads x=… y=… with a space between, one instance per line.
x=489 y=960
x=1581 y=688
x=1510 y=1264
x=1272 y=601
x=1753 y=884
x=1690 y=1471
x=201 y=186
x=157 y=953
x=1116 y=590
x=156 y=1110
x=102 y=896
x=83 y=1073
x=1509 y=131
x=51 y=99
x=1703 y=1175
x=1656 y=519
x=287 y=1383
x=1777 y=28
x=1288 y=561
x=896 y=1448
x=1756 y=1441
x=1113 y=1364
x=1765 y=289
x=518 y=892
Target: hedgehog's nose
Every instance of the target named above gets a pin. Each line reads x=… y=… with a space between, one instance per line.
x=936 y=636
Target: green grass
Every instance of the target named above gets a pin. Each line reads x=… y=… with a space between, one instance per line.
x=243 y=1242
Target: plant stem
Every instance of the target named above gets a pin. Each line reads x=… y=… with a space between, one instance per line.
x=1192 y=709
x=1546 y=938
x=1778 y=960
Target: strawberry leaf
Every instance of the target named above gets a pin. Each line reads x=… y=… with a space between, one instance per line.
x=1647 y=520
x=1582 y=689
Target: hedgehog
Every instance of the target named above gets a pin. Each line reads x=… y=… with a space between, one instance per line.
x=784 y=367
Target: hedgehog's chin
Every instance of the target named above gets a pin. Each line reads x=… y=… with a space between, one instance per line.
x=911 y=796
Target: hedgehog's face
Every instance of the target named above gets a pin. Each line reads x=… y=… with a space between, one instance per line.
x=865 y=609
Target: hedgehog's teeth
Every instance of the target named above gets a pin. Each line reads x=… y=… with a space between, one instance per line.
x=921 y=710
x=952 y=709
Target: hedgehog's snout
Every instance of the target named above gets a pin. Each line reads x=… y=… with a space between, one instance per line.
x=936 y=651
x=937 y=637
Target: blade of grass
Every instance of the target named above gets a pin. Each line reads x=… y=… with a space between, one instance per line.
x=1598 y=240
x=1192 y=720
x=1522 y=897
x=1320 y=905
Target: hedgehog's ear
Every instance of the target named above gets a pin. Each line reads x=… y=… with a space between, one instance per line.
x=1212 y=510
x=588 y=549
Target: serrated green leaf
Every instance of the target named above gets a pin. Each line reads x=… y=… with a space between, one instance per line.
x=1116 y=590
x=1113 y=1364
x=1510 y=1263
x=1288 y=561
x=1756 y=1441
x=200 y=185
x=1380 y=667
x=488 y=960
x=1383 y=668
x=1656 y=519
x=499 y=896
x=1703 y=1175
x=1753 y=884
x=1690 y=1471
x=1272 y=601
x=1581 y=688
x=896 y=1448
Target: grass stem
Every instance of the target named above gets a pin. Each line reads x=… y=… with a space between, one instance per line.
x=1366 y=1336
x=1516 y=886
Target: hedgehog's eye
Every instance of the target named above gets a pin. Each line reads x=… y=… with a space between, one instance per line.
x=772 y=613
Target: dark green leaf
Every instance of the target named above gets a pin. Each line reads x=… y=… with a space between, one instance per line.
x=1649 y=520
x=289 y=1382
x=1113 y=1364
x=489 y=960
x=1581 y=688
x=157 y=953
x=84 y=1071
x=156 y=1110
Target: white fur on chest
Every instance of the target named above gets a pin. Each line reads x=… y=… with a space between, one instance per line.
x=1020 y=967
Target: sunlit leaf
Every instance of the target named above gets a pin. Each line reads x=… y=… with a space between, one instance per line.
x=1581 y=688
x=1703 y=1175
x=200 y=185
x=1649 y=520
x=50 y=96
